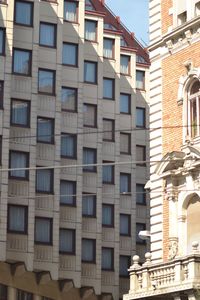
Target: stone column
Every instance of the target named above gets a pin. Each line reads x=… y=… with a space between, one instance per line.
x=12 y=293
x=37 y=297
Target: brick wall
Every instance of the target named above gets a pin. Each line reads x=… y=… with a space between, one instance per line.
x=167 y=20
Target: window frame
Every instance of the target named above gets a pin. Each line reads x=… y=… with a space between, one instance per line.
x=138 y=239
x=74 y=183
x=52 y=130
x=26 y=177
x=112 y=139
x=112 y=181
x=29 y=73
x=129 y=183
x=1 y=94
x=24 y=293
x=95 y=115
x=129 y=263
x=95 y=81
x=73 y=252
x=129 y=104
x=142 y=164
x=113 y=88
x=94 y=168
x=96 y=31
x=3 y=53
x=77 y=11
x=76 y=99
x=25 y=231
x=128 y=145
x=143 y=116
x=143 y=82
x=50 y=243
x=54 y=36
x=93 y=260
x=112 y=220
x=74 y=137
x=51 y=191
x=53 y=93
x=128 y=234
x=143 y=202
x=76 y=55
x=129 y=65
x=28 y=113
x=94 y=204
x=32 y=13
x=113 y=48
x=111 y=269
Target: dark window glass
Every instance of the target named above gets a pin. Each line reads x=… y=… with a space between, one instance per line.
x=125 y=183
x=47 y=34
x=108 y=88
x=23 y=13
x=90 y=72
x=140 y=194
x=140 y=227
x=46 y=81
x=125 y=224
x=89 y=6
x=108 y=215
x=22 y=295
x=45 y=130
x=107 y=262
x=89 y=206
x=20 y=113
x=108 y=130
x=124 y=265
x=108 y=48
x=91 y=30
x=140 y=155
x=3 y=292
x=88 y=250
x=44 y=181
x=71 y=11
x=68 y=145
x=17 y=219
x=140 y=117
x=1 y=93
x=140 y=80
x=89 y=157
x=19 y=160
x=125 y=103
x=69 y=99
x=89 y=115
x=2 y=41
x=70 y=54
x=22 y=62
x=108 y=174
x=67 y=241
x=43 y=230
x=68 y=192
x=125 y=143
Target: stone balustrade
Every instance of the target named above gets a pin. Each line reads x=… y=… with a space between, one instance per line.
x=153 y=279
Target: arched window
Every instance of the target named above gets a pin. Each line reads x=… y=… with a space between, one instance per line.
x=193 y=109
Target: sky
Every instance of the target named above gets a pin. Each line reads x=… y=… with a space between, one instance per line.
x=134 y=14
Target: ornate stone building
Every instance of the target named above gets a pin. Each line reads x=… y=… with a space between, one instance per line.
x=172 y=269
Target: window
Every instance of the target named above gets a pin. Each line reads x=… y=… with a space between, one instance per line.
x=108 y=88
x=69 y=99
x=45 y=130
x=22 y=62
x=19 y=160
x=125 y=143
x=140 y=80
x=193 y=105
x=108 y=215
x=89 y=115
x=43 y=230
x=125 y=224
x=89 y=157
x=140 y=59
x=124 y=265
x=23 y=13
x=22 y=295
x=182 y=18
x=197 y=9
x=1 y=93
x=68 y=192
x=89 y=206
x=140 y=194
x=88 y=250
x=3 y=292
x=17 y=219
x=108 y=130
x=68 y=145
x=88 y=5
x=2 y=40
x=91 y=30
x=125 y=103
x=123 y=43
x=107 y=260
x=125 y=64
x=125 y=183
x=140 y=117
x=47 y=34
x=44 y=181
x=20 y=113
x=140 y=155
x=108 y=174
x=70 y=54
x=90 y=72
x=140 y=227
x=67 y=241
x=46 y=82
x=71 y=11
x=108 y=48
x=0 y=152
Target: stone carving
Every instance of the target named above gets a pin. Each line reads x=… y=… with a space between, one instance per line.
x=173 y=249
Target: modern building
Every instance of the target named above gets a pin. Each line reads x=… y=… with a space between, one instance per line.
x=73 y=112
x=171 y=271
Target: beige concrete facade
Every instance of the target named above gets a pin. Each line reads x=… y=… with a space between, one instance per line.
x=33 y=74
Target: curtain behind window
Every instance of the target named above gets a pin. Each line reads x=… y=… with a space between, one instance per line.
x=70 y=9
x=90 y=30
x=67 y=192
x=43 y=230
x=16 y=218
x=19 y=113
x=18 y=160
x=43 y=178
x=66 y=240
x=23 y=13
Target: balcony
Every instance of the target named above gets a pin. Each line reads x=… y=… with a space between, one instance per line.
x=176 y=279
